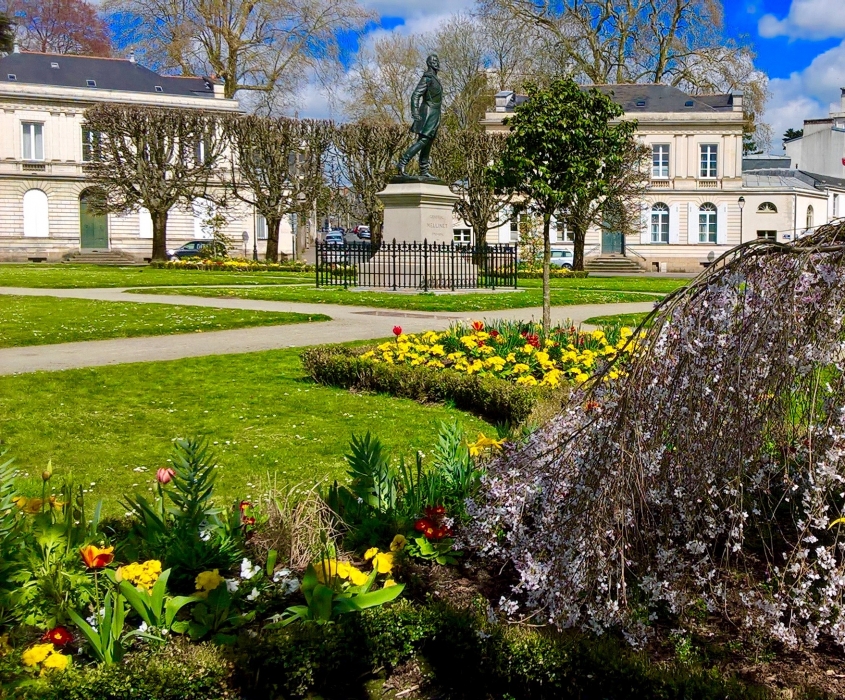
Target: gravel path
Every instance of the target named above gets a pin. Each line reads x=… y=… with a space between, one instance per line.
x=348 y=323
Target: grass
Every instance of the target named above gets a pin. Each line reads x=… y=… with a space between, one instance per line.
x=658 y=285
x=481 y=301
x=86 y=276
x=632 y=320
x=112 y=427
x=26 y=320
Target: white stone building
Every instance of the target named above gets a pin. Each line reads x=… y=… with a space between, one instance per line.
x=700 y=203
x=44 y=145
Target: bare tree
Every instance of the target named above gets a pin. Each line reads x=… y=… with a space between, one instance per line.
x=382 y=78
x=463 y=158
x=152 y=158
x=259 y=46
x=60 y=26
x=276 y=165
x=367 y=152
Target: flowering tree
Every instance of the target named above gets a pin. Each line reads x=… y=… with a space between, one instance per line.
x=60 y=26
x=561 y=152
x=712 y=472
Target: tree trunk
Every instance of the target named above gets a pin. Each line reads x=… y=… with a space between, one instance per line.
x=159 y=234
x=302 y=225
x=547 y=261
x=578 y=238
x=272 y=253
x=376 y=224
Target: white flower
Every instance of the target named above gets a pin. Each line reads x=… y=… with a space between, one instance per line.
x=290 y=586
x=248 y=569
x=143 y=627
x=281 y=575
x=254 y=595
x=232 y=584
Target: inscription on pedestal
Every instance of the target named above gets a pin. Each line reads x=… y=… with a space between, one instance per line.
x=438 y=228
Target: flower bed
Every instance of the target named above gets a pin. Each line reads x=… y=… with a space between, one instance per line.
x=554 y=273
x=232 y=265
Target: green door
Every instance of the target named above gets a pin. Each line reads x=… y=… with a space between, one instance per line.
x=93 y=228
x=611 y=230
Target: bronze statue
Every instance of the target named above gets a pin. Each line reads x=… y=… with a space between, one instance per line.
x=426 y=104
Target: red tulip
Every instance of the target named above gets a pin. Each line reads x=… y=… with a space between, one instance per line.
x=164 y=475
x=494 y=333
x=397 y=330
x=477 y=326
x=60 y=636
x=96 y=557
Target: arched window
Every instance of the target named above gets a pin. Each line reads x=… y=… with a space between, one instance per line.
x=707 y=223
x=35 y=220
x=204 y=213
x=660 y=223
x=145 y=223
x=767 y=208
x=810 y=216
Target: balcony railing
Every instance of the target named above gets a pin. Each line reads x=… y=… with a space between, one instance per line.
x=34 y=167
x=664 y=184
x=709 y=184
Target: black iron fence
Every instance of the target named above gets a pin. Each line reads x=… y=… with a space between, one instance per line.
x=424 y=266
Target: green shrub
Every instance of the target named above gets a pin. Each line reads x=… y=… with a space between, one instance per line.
x=466 y=657
x=178 y=671
x=554 y=273
x=494 y=399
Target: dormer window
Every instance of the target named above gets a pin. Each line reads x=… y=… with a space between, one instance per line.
x=640 y=103
x=689 y=103
x=159 y=88
x=12 y=76
x=54 y=65
x=91 y=83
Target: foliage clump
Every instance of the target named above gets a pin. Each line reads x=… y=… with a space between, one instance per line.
x=713 y=472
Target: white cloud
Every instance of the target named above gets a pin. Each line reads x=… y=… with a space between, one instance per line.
x=807 y=19
x=807 y=94
x=411 y=9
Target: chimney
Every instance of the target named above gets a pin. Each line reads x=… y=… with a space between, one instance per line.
x=504 y=100
x=219 y=89
x=736 y=101
x=16 y=48
x=842 y=100
x=132 y=57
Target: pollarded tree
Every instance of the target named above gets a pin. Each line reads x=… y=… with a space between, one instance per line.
x=462 y=158
x=367 y=152
x=276 y=165
x=560 y=152
x=152 y=158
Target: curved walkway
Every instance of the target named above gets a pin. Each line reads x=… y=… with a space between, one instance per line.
x=348 y=323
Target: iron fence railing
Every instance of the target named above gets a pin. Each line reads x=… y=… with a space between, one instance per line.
x=424 y=266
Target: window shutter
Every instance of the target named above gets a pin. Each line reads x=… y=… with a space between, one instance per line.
x=645 y=223
x=692 y=224
x=674 y=223
x=722 y=225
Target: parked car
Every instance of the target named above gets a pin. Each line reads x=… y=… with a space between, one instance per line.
x=198 y=249
x=560 y=258
x=334 y=238
x=363 y=233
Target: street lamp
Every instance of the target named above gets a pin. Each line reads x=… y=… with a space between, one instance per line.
x=741 y=203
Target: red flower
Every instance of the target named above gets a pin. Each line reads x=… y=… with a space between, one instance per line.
x=244 y=505
x=432 y=512
x=494 y=333
x=60 y=636
x=97 y=557
x=397 y=330
x=248 y=521
x=423 y=524
x=164 y=475
x=477 y=326
x=429 y=533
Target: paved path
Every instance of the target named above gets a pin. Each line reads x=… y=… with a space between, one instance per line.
x=348 y=323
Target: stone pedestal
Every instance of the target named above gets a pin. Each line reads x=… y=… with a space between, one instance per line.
x=417 y=211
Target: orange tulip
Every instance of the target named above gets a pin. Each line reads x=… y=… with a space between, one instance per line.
x=97 y=557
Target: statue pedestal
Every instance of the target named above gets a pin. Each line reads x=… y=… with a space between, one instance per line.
x=417 y=211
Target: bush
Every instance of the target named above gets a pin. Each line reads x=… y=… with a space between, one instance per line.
x=178 y=671
x=465 y=656
x=555 y=273
x=496 y=400
x=232 y=265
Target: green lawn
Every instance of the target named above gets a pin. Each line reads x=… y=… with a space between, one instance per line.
x=112 y=427
x=632 y=320
x=84 y=276
x=481 y=301
x=47 y=320
x=660 y=285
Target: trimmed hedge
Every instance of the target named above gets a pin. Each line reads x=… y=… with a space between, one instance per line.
x=494 y=399
x=250 y=266
x=463 y=656
x=558 y=273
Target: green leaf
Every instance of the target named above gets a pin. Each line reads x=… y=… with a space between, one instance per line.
x=379 y=597
x=321 y=602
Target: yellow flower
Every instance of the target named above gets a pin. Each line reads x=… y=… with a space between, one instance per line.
x=580 y=378
x=144 y=575
x=36 y=654
x=542 y=356
x=207 y=581
x=437 y=350
x=520 y=368
x=597 y=334
x=398 y=543
x=483 y=441
x=383 y=562
x=368 y=355
x=437 y=364
x=370 y=553
x=527 y=380
x=511 y=357
x=528 y=348
x=476 y=366
x=469 y=342
x=389 y=582
x=346 y=571
x=326 y=570
x=31 y=506
x=56 y=661
x=454 y=356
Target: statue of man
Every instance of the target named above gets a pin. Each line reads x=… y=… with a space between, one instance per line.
x=426 y=103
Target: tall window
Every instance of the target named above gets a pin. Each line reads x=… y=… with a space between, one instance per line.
x=709 y=160
x=260 y=227
x=35 y=221
x=836 y=205
x=90 y=145
x=810 y=217
x=707 y=223
x=660 y=161
x=33 y=141
x=660 y=223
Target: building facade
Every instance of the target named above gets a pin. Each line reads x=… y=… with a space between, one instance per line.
x=700 y=201
x=44 y=147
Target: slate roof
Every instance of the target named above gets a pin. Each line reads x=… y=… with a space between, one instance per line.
x=787 y=177
x=765 y=162
x=106 y=73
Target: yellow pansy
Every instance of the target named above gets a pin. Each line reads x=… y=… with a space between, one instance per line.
x=520 y=368
x=383 y=562
x=398 y=543
x=527 y=380
x=36 y=654
x=56 y=661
